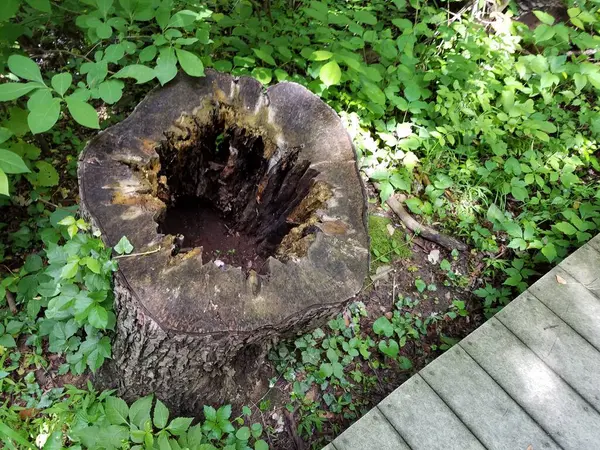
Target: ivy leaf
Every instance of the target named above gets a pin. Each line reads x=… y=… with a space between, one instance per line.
x=116 y=410
x=330 y=73
x=190 y=63
x=11 y=162
x=62 y=82
x=24 y=67
x=161 y=415
x=3 y=183
x=123 y=246
x=12 y=91
x=83 y=113
x=141 y=73
x=111 y=91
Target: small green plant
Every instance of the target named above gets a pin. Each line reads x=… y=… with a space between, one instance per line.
x=387 y=243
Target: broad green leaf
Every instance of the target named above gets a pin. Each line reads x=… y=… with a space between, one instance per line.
x=544 y=17
x=243 y=434
x=263 y=75
x=139 y=412
x=566 y=228
x=114 y=53
x=389 y=348
x=5 y=134
x=549 y=251
x=46 y=174
x=104 y=31
x=70 y=270
x=9 y=9
x=190 y=63
x=3 y=183
x=179 y=425
x=12 y=91
x=54 y=441
x=365 y=17
x=139 y=72
x=161 y=415
x=261 y=445
x=383 y=326
x=98 y=317
x=166 y=65
x=111 y=91
x=43 y=116
x=62 y=82
x=11 y=162
x=40 y=5
x=148 y=53
x=83 y=113
x=182 y=18
x=321 y=55
x=104 y=6
x=330 y=73
x=264 y=55
x=39 y=98
x=24 y=67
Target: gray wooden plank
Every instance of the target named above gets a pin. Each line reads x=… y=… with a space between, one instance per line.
x=555 y=343
x=584 y=266
x=572 y=302
x=423 y=419
x=552 y=403
x=483 y=406
x=595 y=242
x=372 y=431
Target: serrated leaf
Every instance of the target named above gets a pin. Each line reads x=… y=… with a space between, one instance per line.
x=62 y=82
x=190 y=63
x=139 y=72
x=116 y=410
x=98 y=317
x=161 y=415
x=11 y=162
x=83 y=113
x=43 y=116
x=24 y=67
x=330 y=73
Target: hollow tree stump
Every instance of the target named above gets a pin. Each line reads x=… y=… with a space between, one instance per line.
x=247 y=214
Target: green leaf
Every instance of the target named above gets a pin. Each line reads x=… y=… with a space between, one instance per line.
x=261 y=445
x=566 y=228
x=123 y=246
x=549 y=251
x=243 y=434
x=544 y=17
x=70 y=270
x=389 y=348
x=141 y=73
x=6 y=340
x=420 y=285
x=104 y=6
x=180 y=425
x=161 y=415
x=330 y=73
x=17 y=437
x=83 y=113
x=139 y=412
x=43 y=116
x=264 y=55
x=182 y=19
x=3 y=183
x=111 y=91
x=148 y=53
x=12 y=91
x=24 y=67
x=385 y=191
x=383 y=326
x=98 y=317
x=321 y=55
x=62 y=82
x=116 y=410
x=114 y=53
x=190 y=63
x=166 y=65
x=11 y=162
x=365 y=17
x=46 y=174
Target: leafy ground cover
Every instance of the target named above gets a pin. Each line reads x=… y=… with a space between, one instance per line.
x=488 y=128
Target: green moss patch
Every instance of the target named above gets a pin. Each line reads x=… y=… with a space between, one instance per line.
x=386 y=248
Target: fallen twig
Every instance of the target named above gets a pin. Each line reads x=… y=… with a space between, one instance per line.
x=395 y=203
x=149 y=252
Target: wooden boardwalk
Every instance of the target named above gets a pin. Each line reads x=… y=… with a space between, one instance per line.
x=528 y=379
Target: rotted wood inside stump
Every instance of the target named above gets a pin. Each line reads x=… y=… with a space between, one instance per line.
x=248 y=214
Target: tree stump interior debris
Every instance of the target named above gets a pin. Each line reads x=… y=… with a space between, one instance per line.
x=247 y=215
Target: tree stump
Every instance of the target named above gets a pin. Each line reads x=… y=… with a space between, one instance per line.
x=247 y=214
